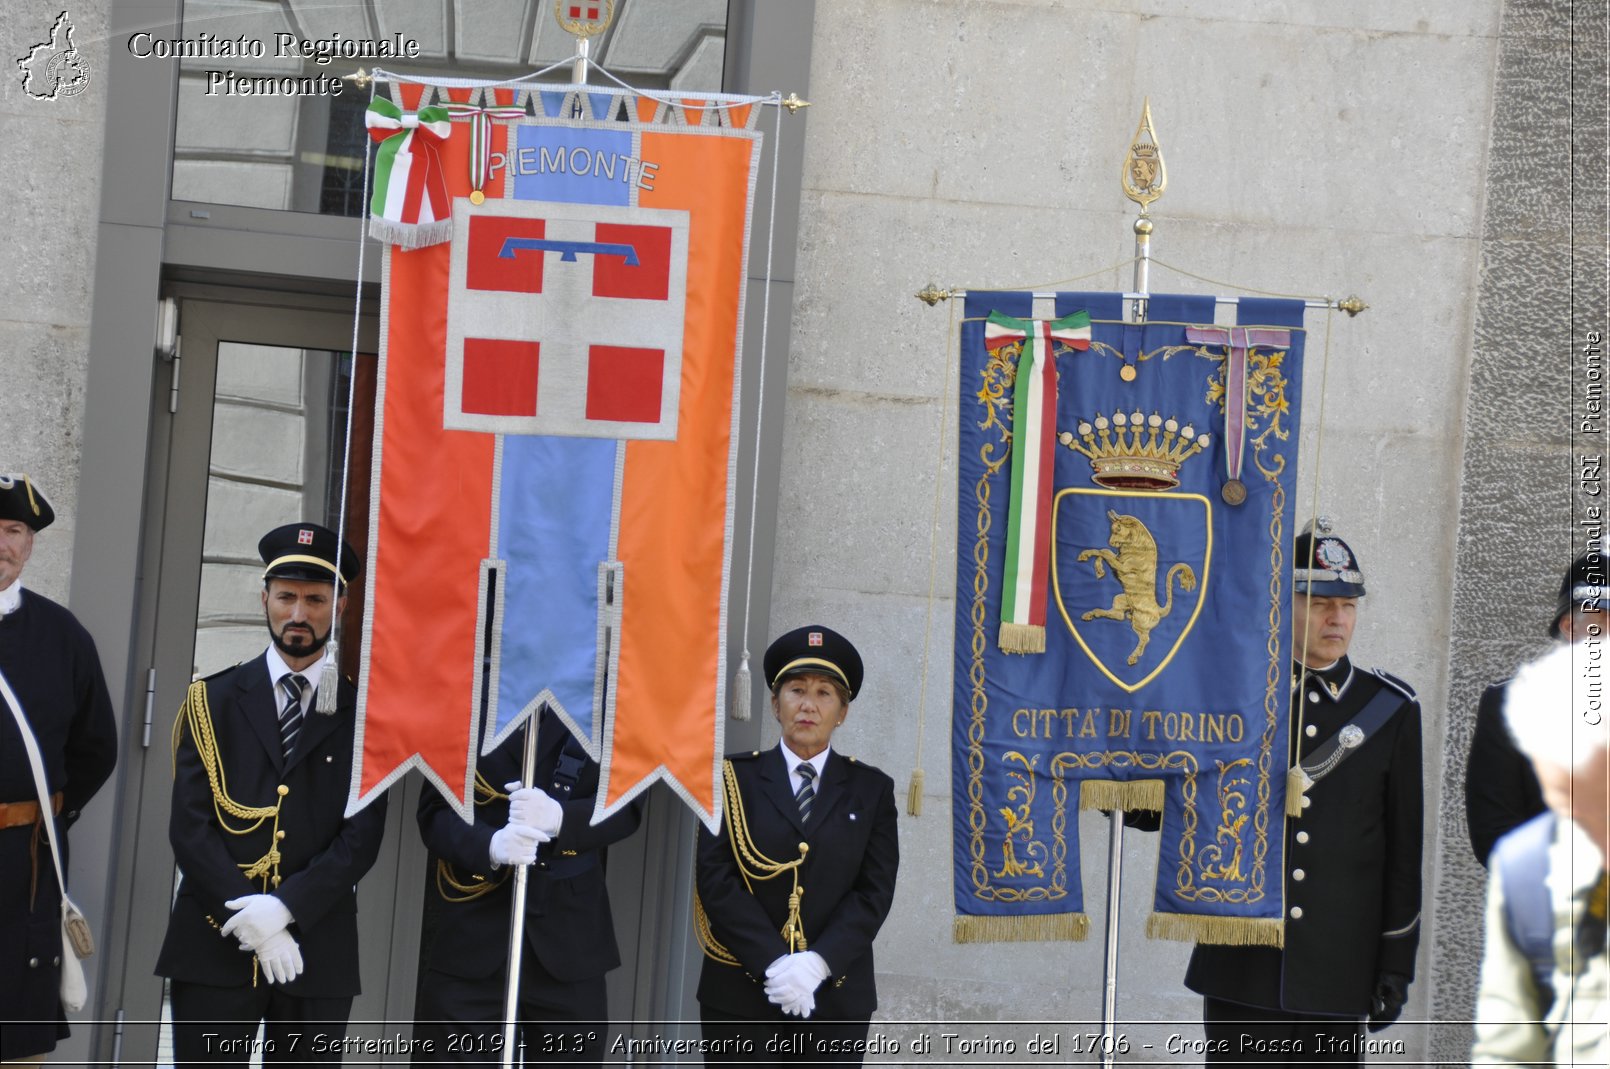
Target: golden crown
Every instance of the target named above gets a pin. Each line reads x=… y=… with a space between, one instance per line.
x=1133 y=451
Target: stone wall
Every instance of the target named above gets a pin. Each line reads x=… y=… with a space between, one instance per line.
x=53 y=179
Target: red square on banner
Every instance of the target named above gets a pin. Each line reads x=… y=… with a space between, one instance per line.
x=500 y=377
x=650 y=280
x=486 y=269
x=623 y=384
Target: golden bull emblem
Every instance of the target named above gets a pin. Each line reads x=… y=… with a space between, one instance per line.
x=1131 y=553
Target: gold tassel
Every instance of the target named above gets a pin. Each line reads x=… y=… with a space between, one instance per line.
x=1042 y=928
x=324 y=698
x=1022 y=638
x=740 y=690
x=914 y=793
x=1225 y=931
x=1110 y=794
x=1297 y=782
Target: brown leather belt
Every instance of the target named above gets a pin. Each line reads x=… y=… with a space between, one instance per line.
x=18 y=814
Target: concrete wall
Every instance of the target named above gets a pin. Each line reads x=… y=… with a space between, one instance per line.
x=1312 y=150
x=53 y=181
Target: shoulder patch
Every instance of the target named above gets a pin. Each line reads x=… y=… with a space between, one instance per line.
x=1395 y=683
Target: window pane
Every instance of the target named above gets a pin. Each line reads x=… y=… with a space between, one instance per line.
x=262 y=130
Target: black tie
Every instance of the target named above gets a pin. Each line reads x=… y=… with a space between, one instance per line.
x=806 y=793
x=291 y=713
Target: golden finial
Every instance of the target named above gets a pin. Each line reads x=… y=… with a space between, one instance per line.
x=1352 y=305
x=932 y=295
x=360 y=78
x=1144 y=175
x=793 y=103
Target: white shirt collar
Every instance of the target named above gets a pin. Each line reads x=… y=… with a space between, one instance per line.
x=278 y=670
x=793 y=760
x=11 y=597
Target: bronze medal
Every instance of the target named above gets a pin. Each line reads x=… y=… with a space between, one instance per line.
x=1234 y=492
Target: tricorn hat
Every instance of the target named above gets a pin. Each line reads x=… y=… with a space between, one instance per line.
x=21 y=500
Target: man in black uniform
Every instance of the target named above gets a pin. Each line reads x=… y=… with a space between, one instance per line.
x=1501 y=790
x=264 y=926
x=50 y=662
x=569 y=932
x=1352 y=887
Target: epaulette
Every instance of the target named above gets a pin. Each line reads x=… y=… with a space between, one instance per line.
x=215 y=675
x=1395 y=683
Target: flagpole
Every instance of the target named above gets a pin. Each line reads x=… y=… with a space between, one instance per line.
x=522 y=874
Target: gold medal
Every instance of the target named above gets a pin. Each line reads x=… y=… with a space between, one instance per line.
x=1233 y=491
x=1127 y=372
x=477 y=197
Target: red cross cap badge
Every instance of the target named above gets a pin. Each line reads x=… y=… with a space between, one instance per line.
x=304 y=537
x=584 y=18
x=814 y=638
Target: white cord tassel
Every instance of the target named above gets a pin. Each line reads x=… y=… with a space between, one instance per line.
x=740 y=690
x=324 y=699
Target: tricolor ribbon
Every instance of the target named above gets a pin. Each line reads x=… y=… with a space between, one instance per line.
x=1034 y=410
x=481 y=120
x=1237 y=341
x=410 y=206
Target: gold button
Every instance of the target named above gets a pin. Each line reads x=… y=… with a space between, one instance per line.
x=282 y=790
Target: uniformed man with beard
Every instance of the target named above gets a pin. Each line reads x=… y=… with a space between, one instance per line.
x=1352 y=886
x=264 y=926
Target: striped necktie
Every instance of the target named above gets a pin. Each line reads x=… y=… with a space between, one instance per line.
x=291 y=711
x=807 y=790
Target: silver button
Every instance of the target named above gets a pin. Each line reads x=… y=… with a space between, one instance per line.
x=1298 y=874
x=1313 y=695
x=33 y=963
x=1310 y=731
x=56 y=960
x=329 y=759
x=1296 y=913
x=1307 y=801
x=1302 y=837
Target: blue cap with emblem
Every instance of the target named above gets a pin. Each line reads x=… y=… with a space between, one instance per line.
x=814 y=650
x=1323 y=565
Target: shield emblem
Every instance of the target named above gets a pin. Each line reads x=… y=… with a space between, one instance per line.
x=1130 y=575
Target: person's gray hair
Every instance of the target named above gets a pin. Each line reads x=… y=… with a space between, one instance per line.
x=1555 y=705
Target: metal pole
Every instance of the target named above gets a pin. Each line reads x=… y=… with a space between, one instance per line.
x=522 y=873
x=578 y=70
x=1115 y=835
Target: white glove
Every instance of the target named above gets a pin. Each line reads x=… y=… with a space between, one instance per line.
x=257 y=918
x=792 y=980
x=532 y=807
x=515 y=844
x=280 y=958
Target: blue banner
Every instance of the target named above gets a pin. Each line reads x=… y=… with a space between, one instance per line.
x=1161 y=562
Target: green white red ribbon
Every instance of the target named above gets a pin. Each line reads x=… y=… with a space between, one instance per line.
x=410 y=206
x=1025 y=584
x=481 y=120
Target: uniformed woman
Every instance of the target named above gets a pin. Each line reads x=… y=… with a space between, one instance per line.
x=800 y=876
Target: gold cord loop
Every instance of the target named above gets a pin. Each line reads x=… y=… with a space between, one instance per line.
x=752 y=865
